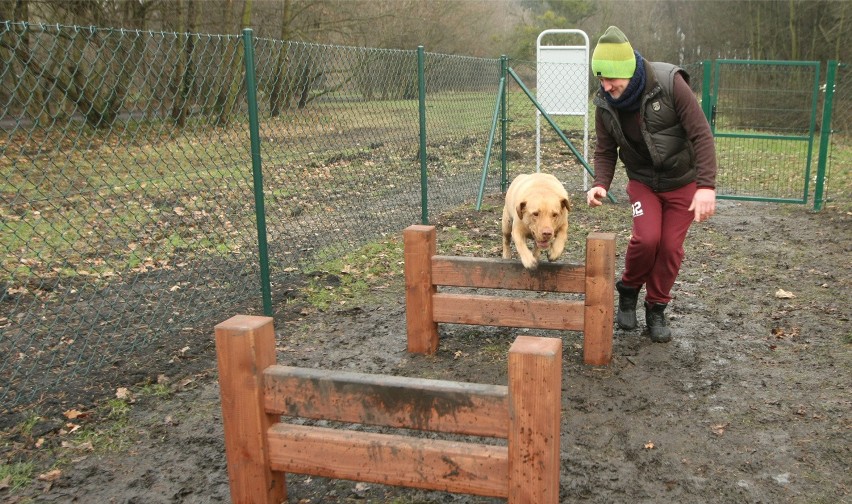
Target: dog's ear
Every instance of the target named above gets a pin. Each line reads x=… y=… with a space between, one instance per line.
x=566 y=204
x=522 y=206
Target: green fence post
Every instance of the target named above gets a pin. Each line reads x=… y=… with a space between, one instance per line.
x=257 y=172
x=504 y=117
x=490 y=144
x=424 y=180
x=825 y=133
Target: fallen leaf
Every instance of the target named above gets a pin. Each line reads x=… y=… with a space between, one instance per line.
x=649 y=445
x=782 y=294
x=122 y=393
x=72 y=414
x=50 y=475
x=86 y=446
x=361 y=487
x=5 y=482
x=719 y=429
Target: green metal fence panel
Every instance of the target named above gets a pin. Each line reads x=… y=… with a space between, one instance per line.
x=764 y=140
x=838 y=156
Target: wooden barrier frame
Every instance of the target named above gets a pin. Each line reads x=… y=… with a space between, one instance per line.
x=425 y=307
x=255 y=392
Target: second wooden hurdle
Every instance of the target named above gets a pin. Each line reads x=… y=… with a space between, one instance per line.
x=426 y=306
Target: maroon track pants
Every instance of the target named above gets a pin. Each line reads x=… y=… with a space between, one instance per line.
x=655 y=252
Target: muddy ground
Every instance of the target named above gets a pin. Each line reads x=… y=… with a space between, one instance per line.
x=750 y=402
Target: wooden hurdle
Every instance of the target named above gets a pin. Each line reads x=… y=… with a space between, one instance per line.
x=426 y=307
x=255 y=392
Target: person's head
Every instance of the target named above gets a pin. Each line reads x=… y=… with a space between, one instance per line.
x=613 y=61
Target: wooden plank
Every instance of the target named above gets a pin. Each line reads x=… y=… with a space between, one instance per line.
x=490 y=273
x=390 y=459
x=245 y=345
x=395 y=401
x=419 y=247
x=510 y=312
x=600 y=286
x=535 y=405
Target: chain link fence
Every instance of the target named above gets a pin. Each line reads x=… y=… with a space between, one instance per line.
x=127 y=214
x=128 y=200
x=128 y=220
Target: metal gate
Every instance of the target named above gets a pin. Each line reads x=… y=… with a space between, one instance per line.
x=763 y=116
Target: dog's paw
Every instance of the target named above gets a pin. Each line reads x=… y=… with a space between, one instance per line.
x=530 y=263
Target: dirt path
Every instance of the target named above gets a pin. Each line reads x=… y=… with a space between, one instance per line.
x=749 y=403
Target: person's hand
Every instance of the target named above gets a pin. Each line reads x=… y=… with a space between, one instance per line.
x=594 y=196
x=703 y=204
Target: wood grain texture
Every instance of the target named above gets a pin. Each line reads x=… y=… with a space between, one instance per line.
x=390 y=459
x=245 y=346
x=476 y=309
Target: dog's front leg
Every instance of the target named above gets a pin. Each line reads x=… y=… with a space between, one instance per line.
x=506 y=228
x=527 y=258
x=558 y=245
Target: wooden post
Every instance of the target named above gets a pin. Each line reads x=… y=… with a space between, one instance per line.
x=600 y=285
x=535 y=407
x=420 y=246
x=245 y=346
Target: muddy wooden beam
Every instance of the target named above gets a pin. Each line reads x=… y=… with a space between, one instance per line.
x=393 y=401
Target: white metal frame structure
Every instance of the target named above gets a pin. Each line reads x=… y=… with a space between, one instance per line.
x=560 y=92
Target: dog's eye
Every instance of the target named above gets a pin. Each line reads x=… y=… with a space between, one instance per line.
x=535 y=214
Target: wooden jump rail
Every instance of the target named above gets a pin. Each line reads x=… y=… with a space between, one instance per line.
x=426 y=307
x=256 y=392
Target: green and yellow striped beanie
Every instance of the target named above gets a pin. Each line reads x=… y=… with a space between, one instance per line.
x=613 y=57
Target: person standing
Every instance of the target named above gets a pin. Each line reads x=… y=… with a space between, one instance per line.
x=647 y=116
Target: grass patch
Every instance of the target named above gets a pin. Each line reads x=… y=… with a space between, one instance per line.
x=361 y=274
x=17 y=475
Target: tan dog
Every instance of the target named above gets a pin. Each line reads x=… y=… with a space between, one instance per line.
x=536 y=207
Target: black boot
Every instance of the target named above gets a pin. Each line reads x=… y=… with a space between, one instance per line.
x=627 y=298
x=655 y=319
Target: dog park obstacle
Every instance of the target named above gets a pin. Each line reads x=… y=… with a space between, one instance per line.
x=426 y=307
x=260 y=449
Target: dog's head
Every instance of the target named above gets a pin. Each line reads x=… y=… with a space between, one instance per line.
x=543 y=216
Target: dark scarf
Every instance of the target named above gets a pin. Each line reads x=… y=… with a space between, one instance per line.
x=629 y=100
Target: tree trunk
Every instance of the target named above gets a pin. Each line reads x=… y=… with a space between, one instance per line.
x=280 y=73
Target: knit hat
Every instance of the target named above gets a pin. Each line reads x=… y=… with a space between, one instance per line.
x=613 y=57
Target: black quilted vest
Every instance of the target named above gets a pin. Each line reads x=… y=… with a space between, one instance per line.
x=672 y=163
